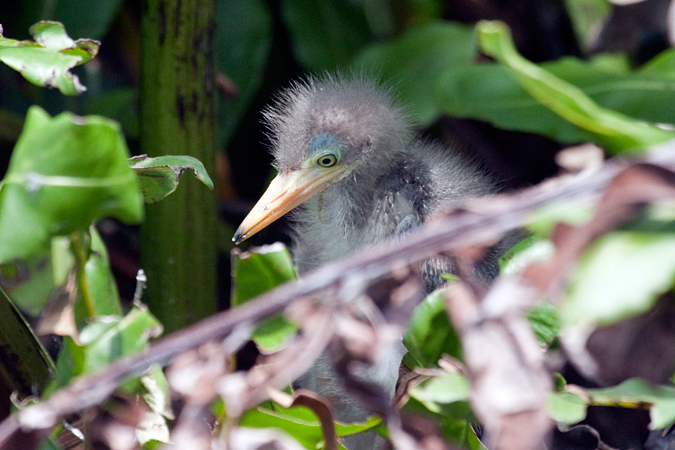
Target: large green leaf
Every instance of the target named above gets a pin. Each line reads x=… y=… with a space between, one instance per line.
x=488 y=91
x=48 y=60
x=430 y=335
x=620 y=275
x=256 y=272
x=244 y=41
x=414 y=62
x=325 y=34
x=65 y=172
x=616 y=131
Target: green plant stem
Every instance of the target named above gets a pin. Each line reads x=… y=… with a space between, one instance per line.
x=81 y=252
x=178 y=117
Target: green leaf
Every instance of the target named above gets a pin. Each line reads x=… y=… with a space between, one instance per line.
x=587 y=17
x=437 y=47
x=451 y=388
x=543 y=220
x=454 y=419
x=65 y=172
x=325 y=34
x=256 y=272
x=160 y=176
x=48 y=60
x=100 y=283
x=306 y=432
x=430 y=335
x=113 y=337
x=249 y=24
x=545 y=322
x=29 y=283
x=620 y=275
x=301 y=423
x=25 y=365
x=83 y=17
x=566 y=407
x=529 y=250
x=646 y=94
x=634 y=393
x=33 y=282
x=619 y=133
x=104 y=340
x=260 y=270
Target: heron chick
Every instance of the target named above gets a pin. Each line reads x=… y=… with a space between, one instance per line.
x=349 y=165
x=354 y=173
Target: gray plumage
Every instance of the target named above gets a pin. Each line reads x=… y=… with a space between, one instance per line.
x=380 y=183
x=397 y=182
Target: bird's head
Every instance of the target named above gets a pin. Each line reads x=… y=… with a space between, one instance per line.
x=321 y=131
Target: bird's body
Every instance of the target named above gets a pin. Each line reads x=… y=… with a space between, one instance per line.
x=387 y=182
x=380 y=200
x=355 y=175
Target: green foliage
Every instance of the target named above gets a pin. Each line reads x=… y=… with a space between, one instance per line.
x=30 y=282
x=160 y=176
x=103 y=341
x=325 y=34
x=249 y=24
x=253 y=274
x=27 y=367
x=525 y=252
x=81 y=17
x=98 y=281
x=616 y=131
x=620 y=276
x=438 y=47
x=545 y=322
x=566 y=407
x=439 y=391
x=633 y=393
x=429 y=334
x=300 y=422
x=587 y=16
x=65 y=172
x=48 y=60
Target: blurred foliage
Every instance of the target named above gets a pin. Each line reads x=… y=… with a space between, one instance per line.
x=67 y=172
x=256 y=272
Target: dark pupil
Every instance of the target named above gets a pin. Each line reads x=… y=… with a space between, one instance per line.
x=326 y=161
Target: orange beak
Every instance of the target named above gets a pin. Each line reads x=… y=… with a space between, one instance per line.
x=284 y=193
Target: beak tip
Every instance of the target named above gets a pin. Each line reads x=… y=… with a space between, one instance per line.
x=238 y=238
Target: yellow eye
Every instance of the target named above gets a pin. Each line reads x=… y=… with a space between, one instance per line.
x=327 y=160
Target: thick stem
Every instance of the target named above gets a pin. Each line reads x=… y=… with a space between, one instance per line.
x=178 y=117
